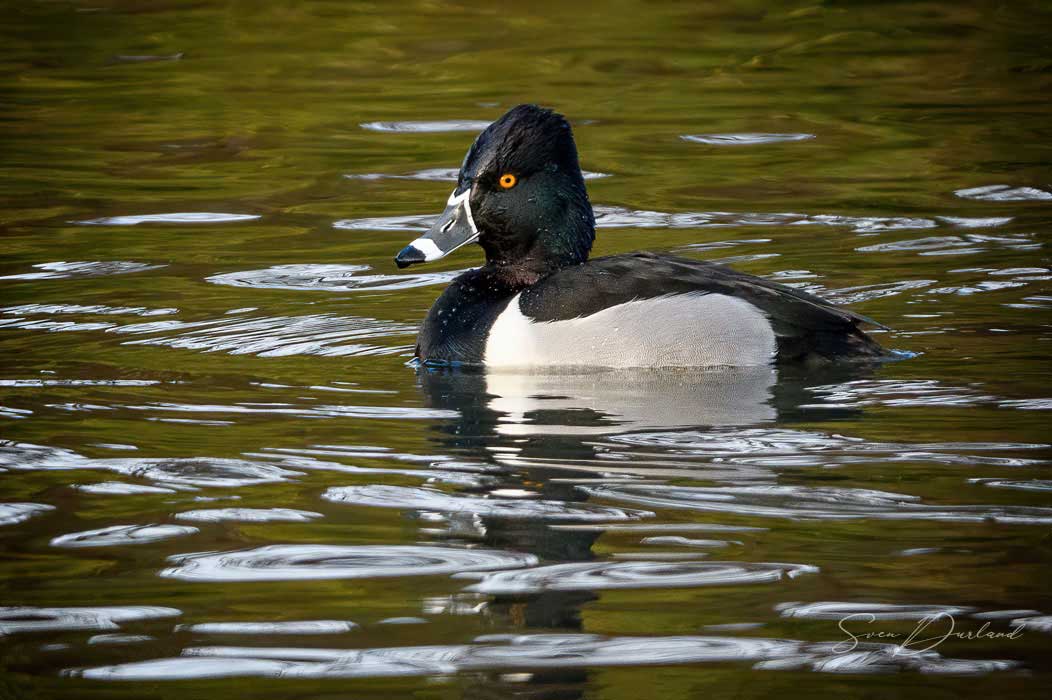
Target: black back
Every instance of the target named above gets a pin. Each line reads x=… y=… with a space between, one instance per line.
x=807 y=327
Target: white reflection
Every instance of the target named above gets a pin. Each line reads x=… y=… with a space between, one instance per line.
x=631 y=400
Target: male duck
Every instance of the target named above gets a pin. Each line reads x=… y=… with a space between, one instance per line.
x=540 y=302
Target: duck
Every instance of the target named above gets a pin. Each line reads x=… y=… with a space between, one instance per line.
x=539 y=302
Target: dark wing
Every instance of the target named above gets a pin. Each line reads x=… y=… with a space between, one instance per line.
x=806 y=325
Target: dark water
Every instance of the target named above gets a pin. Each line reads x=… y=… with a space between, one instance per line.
x=219 y=475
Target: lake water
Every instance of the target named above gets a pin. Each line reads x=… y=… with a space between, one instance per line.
x=221 y=477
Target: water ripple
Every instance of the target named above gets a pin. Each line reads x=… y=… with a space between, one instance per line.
x=747 y=139
x=1016 y=277
x=12 y=513
x=195 y=217
x=93 y=309
x=422 y=127
x=90 y=268
x=54 y=326
x=197 y=471
x=119 y=535
x=309 y=411
x=416 y=222
x=22 y=383
x=604 y=575
x=871 y=611
x=274 y=336
x=309 y=562
x=270 y=628
x=864 y=292
x=405 y=497
x=621 y=217
x=249 y=515
x=19 y=619
x=172 y=471
x=814 y=503
x=827 y=657
x=1004 y=193
x=1019 y=484
x=536 y=651
x=773 y=447
x=118 y=638
x=1040 y=623
x=966 y=244
x=328 y=278
x=119 y=488
x=440 y=468
x=899 y=393
x=679 y=541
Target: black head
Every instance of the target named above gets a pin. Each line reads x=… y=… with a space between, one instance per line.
x=520 y=194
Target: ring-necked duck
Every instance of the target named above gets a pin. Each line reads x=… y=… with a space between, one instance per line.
x=540 y=302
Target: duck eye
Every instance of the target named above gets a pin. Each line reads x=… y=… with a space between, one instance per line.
x=507 y=181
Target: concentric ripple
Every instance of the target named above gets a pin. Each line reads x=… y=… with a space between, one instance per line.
x=593 y=576
x=814 y=503
x=117 y=535
x=415 y=498
x=192 y=471
x=305 y=562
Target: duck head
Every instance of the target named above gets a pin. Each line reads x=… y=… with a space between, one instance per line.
x=520 y=195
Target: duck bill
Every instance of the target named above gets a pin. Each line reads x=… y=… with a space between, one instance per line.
x=455 y=228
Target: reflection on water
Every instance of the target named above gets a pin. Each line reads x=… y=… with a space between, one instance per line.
x=217 y=467
x=533 y=652
x=292 y=562
x=592 y=576
x=627 y=400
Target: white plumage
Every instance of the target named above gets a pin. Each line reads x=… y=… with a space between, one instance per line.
x=681 y=330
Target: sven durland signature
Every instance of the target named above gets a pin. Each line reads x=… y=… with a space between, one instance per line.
x=930 y=632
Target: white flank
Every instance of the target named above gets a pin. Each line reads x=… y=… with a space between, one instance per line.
x=684 y=330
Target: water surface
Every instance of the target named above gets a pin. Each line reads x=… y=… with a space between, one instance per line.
x=218 y=470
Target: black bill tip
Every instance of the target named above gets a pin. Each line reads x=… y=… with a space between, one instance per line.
x=408 y=256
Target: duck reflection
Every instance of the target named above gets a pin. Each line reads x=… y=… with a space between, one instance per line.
x=598 y=402
x=551 y=432
x=608 y=402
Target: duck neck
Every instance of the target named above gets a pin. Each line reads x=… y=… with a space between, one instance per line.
x=562 y=240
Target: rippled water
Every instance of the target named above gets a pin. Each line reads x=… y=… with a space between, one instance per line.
x=219 y=470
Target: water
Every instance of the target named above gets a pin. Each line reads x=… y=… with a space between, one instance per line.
x=218 y=469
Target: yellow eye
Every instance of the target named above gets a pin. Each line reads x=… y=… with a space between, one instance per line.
x=507 y=181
